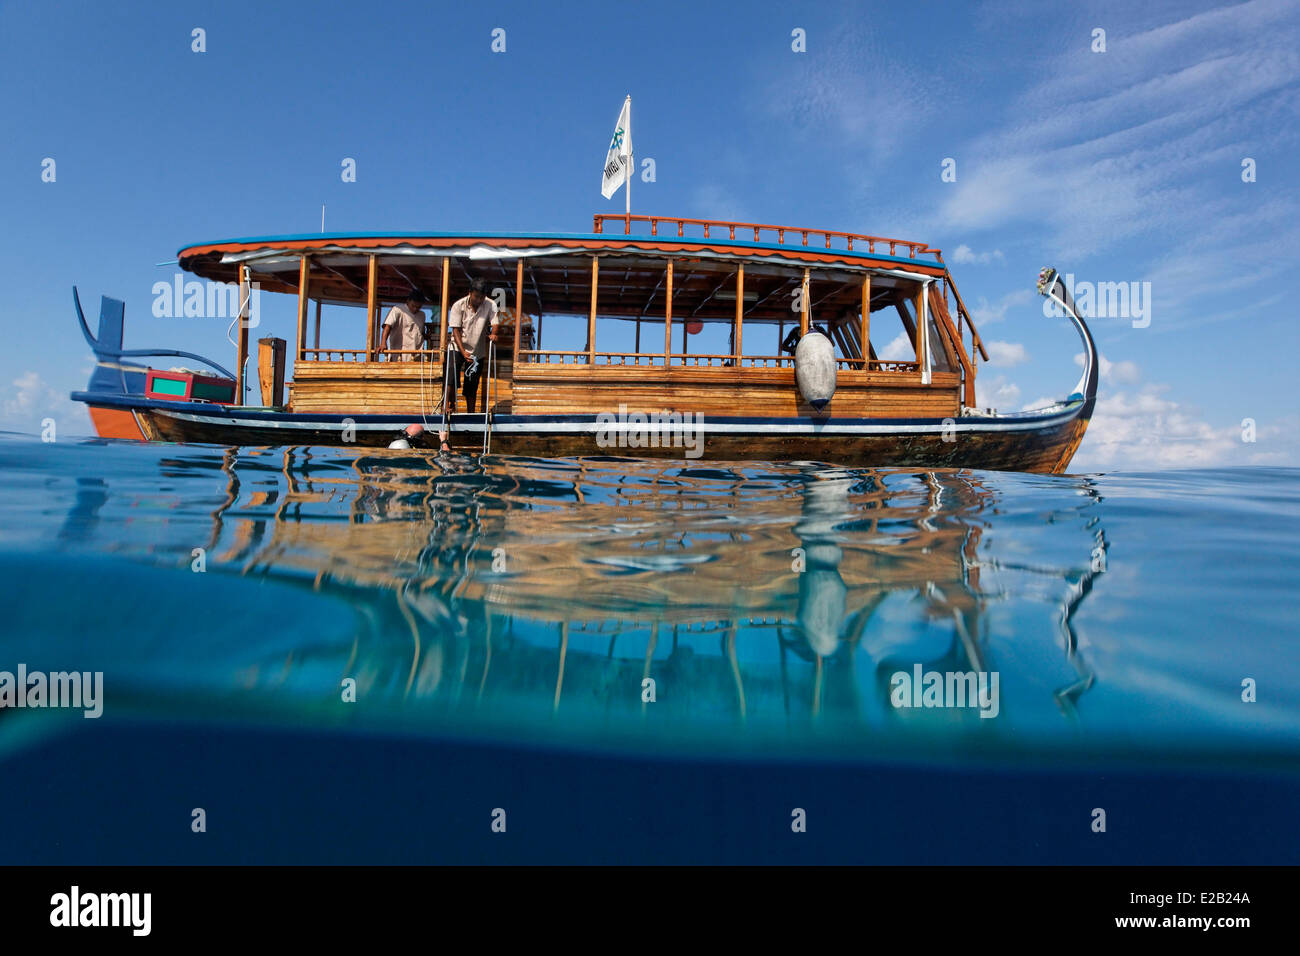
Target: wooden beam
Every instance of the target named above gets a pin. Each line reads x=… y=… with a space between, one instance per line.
x=316 y=341
x=740 y=309
x=591 y=318
x=372 y=291
x=668 y=319
x=922 y=336
x=940 y=309
x=864 y=347
x=803 y=314
x=840 y=336
x=900 y=303
x=446 y=279
x=304 y=274
x=939 y=317
x=241 y=349
x=962 y=311
x=519 y=310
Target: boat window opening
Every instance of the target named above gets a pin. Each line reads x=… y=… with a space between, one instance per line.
x=341 y=335
x=704 y=313
x=773 y=310
x=561 y=340
x=648 y=324
x=908 y=351
x=770 y=311
x=626 y=291
x=836 y=307
x=425 y=351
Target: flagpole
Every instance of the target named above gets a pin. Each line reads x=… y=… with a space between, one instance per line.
x=628 y=134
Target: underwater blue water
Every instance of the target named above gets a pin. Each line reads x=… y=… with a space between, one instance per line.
x=356 y=654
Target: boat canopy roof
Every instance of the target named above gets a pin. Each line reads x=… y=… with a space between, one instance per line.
x=557 y=266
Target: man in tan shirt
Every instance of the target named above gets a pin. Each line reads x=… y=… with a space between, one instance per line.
x=473 y=323
x=404 y=327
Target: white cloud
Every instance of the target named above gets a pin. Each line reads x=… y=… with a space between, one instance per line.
x=963 y=255
x=1146 y=430
x=1006 y=354
x=1123 y=372
x=31 y=399
x=29 y=392
x=996 y=393
x=900 y=349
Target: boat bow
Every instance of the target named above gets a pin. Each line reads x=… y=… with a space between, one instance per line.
x=1051 y=286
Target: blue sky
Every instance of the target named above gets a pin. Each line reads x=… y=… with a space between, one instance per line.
x=1117 y=166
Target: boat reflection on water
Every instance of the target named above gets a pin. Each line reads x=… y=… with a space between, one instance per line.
x=597 y=598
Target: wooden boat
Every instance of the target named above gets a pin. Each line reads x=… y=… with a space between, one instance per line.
x=676 y=339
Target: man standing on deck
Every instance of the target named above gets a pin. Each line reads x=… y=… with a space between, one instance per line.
x=473 y=323
x=404 y=327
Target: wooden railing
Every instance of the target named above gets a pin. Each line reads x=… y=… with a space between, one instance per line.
x=759 y=229
x=359 y=355
x=963 y=315
x=552 y=357
x=703 y=360
x=629 y=358
x=327 y=355
x=678 y=360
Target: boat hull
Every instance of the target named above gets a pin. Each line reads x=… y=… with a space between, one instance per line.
x=1031 y=442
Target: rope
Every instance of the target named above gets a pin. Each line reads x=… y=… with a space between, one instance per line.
x=423 y=418
x=448 y=374
x=487 y=404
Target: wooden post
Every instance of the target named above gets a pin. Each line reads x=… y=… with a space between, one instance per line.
x=241 y=349
x=316 y=341
x=519 y=312
x=668 y=319
x=446 y=279
x=803 y=314
x=304 y=272
x=372 y=289
x=866 y=321
x=591 y=319
x=740 y=311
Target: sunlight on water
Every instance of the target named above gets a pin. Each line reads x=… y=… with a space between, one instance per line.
x=771 y=605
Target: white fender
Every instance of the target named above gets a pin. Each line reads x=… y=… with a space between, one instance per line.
x=399 y=443
x=814 y=369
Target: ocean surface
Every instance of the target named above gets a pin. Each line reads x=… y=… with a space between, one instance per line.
x=363 y=655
